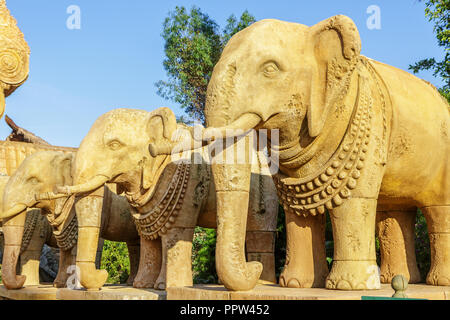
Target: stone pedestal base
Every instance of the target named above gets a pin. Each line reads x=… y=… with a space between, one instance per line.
x=40 y=292
x=275 y=292
x=111 y=292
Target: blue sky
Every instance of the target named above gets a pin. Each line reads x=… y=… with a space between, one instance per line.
x=116 y=57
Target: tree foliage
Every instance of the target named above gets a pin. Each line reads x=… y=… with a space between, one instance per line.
x=193 y=45
x=438 y=11
x=203 y=256
x=115 y=260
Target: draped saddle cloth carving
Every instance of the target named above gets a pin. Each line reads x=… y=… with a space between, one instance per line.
x=64 y=223
x=330 y=186
x=166 y=208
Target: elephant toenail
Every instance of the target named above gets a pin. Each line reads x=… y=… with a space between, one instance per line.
x=294 y=283
x=343 y=285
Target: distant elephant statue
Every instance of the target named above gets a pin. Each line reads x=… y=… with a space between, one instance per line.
x=355 y=137
x=37 y=232
x=171 y=198
x=15 y=56
x=31 y=186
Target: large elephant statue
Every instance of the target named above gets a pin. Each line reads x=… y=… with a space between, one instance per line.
x=14 y=53
x=355 y=137
x=170 y=197
x=31 y=186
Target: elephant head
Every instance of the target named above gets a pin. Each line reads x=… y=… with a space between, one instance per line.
x=271 y=75
x=117 y=147
x=38 y=174
x=14 y=56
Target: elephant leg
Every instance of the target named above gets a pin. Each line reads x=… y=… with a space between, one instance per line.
x=66 y=259
x=306 y=264
x=133 y=254
x=176 y=269
x=29 y=266
x=260 y=246
x=354 y=263
x=89 y=210
x=149 y=263
x=395 y=230
x=30 y=259
x=438 y=222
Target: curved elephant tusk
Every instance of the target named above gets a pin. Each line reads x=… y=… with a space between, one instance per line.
x=14 y=211
x=246 y=123
x=89 y=186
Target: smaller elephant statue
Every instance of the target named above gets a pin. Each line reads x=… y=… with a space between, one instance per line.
x=31 y=186
x=170 y=198
x=37 y=232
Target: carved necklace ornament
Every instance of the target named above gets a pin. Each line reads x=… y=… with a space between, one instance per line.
x=164 y=210
x=328 y=188
x=64 y=223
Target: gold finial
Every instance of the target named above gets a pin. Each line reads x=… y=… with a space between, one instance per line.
x=14 y=55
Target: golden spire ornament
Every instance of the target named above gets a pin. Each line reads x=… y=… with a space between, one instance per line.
x=14 y=55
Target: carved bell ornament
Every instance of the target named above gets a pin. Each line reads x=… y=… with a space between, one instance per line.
x=14 y=55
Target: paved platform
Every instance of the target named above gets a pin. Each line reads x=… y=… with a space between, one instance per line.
x=274 y=292
x=111 y=292
x=40 y=292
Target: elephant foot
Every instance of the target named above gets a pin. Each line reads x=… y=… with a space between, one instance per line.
x=60 y=281
x=387 y=276
x=439 y=276
x=293 y=278
x=143 y=281
x=160 y=283
x=353 y=275
x=91 y=278
x=131 y=278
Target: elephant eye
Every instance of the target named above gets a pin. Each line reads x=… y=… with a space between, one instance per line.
x=33 y=180
x=114 y=144
x=270 y=69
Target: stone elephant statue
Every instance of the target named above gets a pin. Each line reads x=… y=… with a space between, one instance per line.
x=15 y=53
x=31 y=186
x=170 y=197
x=37 y=232
x=355 y=137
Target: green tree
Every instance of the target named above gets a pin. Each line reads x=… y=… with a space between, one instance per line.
x=438 y=11
x=193 y=45
x=116 y=261
x=203 y=256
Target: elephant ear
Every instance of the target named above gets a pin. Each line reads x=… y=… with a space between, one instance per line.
x=336 y=48
x=161 y=126
x=167 y=121
x=63 y=166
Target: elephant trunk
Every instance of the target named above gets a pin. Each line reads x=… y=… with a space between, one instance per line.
x=13 y=232
x=246 y=122
x=89 y=214
x=93 y=184
x=232 y=182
